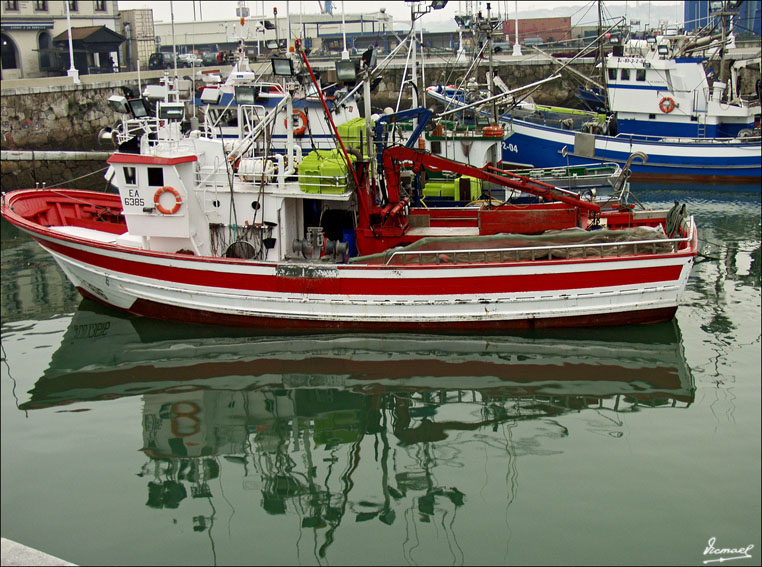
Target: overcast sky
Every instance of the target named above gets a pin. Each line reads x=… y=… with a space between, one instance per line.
x=400 y=10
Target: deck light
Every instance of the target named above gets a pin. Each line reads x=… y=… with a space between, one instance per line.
x=283 y=67
x=118 y=103
x=245 y=95
x=138 y=107
x=345 y=70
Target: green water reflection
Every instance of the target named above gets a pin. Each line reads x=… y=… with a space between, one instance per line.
x=343 y=429
x=129 y=441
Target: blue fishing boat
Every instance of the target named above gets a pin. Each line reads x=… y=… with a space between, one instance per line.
x=661 y=105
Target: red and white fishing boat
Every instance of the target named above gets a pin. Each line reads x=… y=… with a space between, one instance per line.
x=202 y=233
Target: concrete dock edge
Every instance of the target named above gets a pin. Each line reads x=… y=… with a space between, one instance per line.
x=13 y=553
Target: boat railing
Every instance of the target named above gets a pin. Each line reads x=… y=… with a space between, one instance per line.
x=136 y=127
x=682 y=139
x=548 y=252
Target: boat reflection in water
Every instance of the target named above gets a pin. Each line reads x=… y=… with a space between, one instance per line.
x=301 y=413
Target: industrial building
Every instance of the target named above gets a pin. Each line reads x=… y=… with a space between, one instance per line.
x=321 y=33
x=747 y=23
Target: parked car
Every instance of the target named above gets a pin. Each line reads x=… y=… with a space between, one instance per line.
x=164 y=60
x=209 y=58
x=160 y=60
x=190 y=59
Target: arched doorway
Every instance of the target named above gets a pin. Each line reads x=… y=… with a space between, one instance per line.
x=9 y=58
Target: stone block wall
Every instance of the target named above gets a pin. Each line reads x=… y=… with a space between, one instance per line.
x=55 y=118
x=79 y=174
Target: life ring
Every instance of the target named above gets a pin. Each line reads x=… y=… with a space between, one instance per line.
x=667 y=105
x=492 y=131
x=157 y=200
x=302 y=128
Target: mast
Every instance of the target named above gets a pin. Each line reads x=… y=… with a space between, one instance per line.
x=491 y=77
x=414 y=69
x=600 y=42
x=723 y=73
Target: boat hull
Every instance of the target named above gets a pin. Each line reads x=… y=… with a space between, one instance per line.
x=554 y=293
x=557 y=291
x=542 y=146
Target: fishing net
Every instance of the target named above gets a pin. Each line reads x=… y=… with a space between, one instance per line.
x=552 y=244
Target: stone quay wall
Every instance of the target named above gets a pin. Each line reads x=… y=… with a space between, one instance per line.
x=559 y=92
x=66 y=117
x=73 y=170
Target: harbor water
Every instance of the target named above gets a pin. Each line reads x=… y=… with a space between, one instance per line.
x=127 y=441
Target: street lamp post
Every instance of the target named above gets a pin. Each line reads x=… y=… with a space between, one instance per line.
x=345 y=53
x=72 y=72
x=516 y=46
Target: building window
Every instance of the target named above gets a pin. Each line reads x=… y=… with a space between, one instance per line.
x=100 y=5
x=624 y=75
x=11 y=5
x=72 y=5
x=43 y=42
x=41 y=6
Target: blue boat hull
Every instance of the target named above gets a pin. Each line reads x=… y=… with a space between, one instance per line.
x=542 y=146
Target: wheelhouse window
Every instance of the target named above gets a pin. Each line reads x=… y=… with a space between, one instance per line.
x=73 y=5
x=640 y=75
x=100 y=5
x=41 y=6
x=130 y=175
x=612 y=74
x=624 y=75
x=12 y=5
x=155 y=176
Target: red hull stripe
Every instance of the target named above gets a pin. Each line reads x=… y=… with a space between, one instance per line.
x=150 y=160
x=381 y=286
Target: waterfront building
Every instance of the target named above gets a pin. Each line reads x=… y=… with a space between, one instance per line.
x=35 y=41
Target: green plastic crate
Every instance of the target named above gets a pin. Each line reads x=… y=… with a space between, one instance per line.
x=324 y=171
x=309 y=172
x=352 y=133
x=334 y=174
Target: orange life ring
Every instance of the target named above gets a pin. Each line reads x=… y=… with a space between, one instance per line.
x=302 y=128
x=492 y=131
x=667 y=105
x=157 y=200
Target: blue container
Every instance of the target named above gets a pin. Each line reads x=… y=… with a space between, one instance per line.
x=348 y=236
